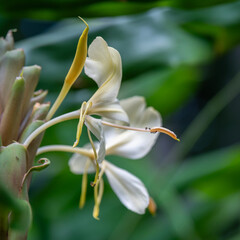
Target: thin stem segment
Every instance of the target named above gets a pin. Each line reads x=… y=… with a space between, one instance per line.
x=95 y=159
x=98 y=193
x=65 y=148
x=62 y=118
x=84 y=186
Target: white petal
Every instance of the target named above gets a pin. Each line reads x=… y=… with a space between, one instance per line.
x=110 y=110
x=129 y=189
x=105 y=67
x=99 y=64
x=78 y=162
x=134 y=107
x=95 y=126
x=132 y=144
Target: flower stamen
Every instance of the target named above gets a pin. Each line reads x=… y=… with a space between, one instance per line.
x=84 y=185
x=146 y=129
x=98 y=196
x=95 y=159
x=164 y=130
x=83 y=111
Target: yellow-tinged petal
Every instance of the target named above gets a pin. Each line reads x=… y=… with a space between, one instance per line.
x=74 y=71
x=83 y=111
x=80 y=57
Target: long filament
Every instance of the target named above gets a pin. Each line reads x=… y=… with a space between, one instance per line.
x=95 y=158
x=146 y=129
x=84 y=185
x=98 y=194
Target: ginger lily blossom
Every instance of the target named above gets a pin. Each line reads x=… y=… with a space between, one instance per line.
x=125 y=128
x=104 y=66
x=132 y=142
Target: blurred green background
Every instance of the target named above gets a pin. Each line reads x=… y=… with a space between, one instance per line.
x=184 y=57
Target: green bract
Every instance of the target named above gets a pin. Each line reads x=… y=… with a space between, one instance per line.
x=21 y=111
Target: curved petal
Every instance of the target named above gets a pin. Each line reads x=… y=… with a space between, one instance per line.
x=129 y=189
x=104 y=66
x=110 y=110
x=132 y=144
x=78 y=162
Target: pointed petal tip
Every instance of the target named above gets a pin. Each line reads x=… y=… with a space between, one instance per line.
x=97 y=218
x=36 y=66
x=84 y=21
x=129 y=189
x=12 y=30
x=75 y=143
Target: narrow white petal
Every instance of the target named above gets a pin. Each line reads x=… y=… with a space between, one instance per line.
x=95 y=126
x=105 y=67
x=78 y=162
x=129 y=189
x=132 y=144
x=98 y=65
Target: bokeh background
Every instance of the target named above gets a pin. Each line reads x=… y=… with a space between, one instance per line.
x=184 y=57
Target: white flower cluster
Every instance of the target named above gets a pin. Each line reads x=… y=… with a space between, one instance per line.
x=124 y=128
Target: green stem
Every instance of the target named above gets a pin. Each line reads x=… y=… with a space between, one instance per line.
x=42 y=128
x=65 y=148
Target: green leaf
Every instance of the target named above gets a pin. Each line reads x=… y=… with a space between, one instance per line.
x=205 y=169
x=52 y=10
